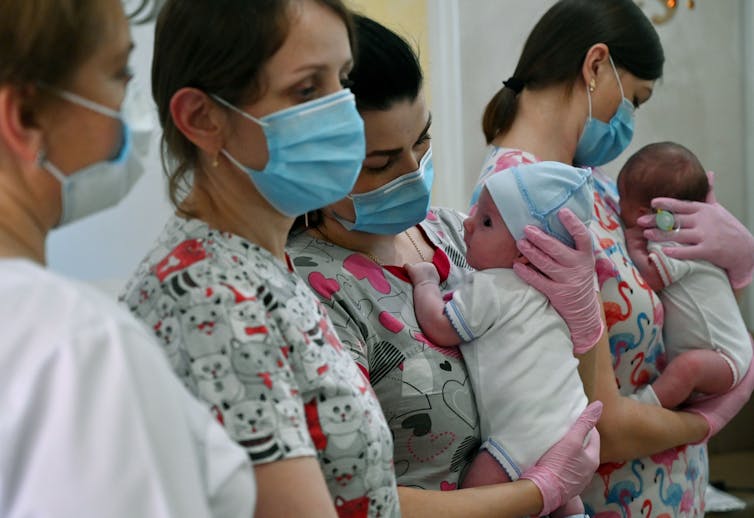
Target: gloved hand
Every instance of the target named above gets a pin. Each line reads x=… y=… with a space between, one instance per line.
x=569 y=465
x=719 y=410
x=422 y=273
x=568 y=280
x=712 y=232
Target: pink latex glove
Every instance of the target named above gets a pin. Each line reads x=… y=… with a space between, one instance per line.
x=569 y=465
x=719 y=410
x=568 y=279
x=712 y=232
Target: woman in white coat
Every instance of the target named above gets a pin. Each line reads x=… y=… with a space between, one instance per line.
x=94 y=421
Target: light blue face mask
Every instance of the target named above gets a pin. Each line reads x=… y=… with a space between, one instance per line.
x=601 y=142
x=103 y=184
x=397 y=205
x=315 y=153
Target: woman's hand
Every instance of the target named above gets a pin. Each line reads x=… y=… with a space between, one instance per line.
x=568 y=279
x=719 y=410
x=712 y=233
x=565 y=469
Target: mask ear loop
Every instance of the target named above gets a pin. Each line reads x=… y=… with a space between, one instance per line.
x=617 y=78
x=50 y=167
x=81 y=101
x=238 y=110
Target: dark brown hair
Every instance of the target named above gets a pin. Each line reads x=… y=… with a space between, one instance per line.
x=663 y=169
x=555 y=50
x=219 y=47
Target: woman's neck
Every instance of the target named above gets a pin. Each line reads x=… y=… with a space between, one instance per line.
x=409 y=246
x=22 y=234
x=547 y=124
x=238 y=208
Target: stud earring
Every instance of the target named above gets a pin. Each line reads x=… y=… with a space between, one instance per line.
x=592 y=85
x=215 y=163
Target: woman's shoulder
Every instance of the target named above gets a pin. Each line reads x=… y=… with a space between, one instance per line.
x=444 y=227
x=53 y=315
x=309 y=254
x=444 y=223
x=498 y=159
x=191 y=261
x=31 y=289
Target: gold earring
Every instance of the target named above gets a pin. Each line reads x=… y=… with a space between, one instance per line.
x=215 y=163
x=592 y=85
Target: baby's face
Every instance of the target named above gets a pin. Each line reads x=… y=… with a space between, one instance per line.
x=629 y=212
x=489 y=243
x=630 y=209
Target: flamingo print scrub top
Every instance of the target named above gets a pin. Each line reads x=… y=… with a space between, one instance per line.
x=669 y=483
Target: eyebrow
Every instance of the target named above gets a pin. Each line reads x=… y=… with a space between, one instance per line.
x=396 y=151
x=426 y=128
x=318 y=67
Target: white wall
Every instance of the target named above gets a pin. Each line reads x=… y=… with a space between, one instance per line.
x=700 y=102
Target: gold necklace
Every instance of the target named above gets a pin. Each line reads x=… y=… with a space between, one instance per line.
x=416 y=247
x=372 y=256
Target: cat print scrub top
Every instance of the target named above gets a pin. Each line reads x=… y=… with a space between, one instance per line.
x=247 y=336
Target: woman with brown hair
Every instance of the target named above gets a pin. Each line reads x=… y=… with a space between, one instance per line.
x=352 y=254
x=95 y=423
x=258 y=129
x=585 y=68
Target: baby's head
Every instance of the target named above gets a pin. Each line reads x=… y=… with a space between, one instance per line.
x=663 y=169
x=529 y=194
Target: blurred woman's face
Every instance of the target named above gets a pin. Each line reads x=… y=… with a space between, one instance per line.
x=75 y=136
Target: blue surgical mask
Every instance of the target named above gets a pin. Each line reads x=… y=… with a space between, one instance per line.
x=103 y=184
x=601 y=142
x=315 y=153
x=397 y=205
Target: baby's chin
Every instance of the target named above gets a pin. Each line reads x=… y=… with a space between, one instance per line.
x=489 y=264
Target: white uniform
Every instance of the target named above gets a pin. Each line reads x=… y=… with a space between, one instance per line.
x=520 y=360
x=95 y=423
x=701 y=311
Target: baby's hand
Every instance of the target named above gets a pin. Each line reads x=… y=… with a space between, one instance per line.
x=422 y=273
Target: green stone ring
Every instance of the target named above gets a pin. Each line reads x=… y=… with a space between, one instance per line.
x=665 y=220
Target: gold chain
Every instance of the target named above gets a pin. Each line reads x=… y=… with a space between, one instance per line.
x=373 y=257
x=416 y=247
